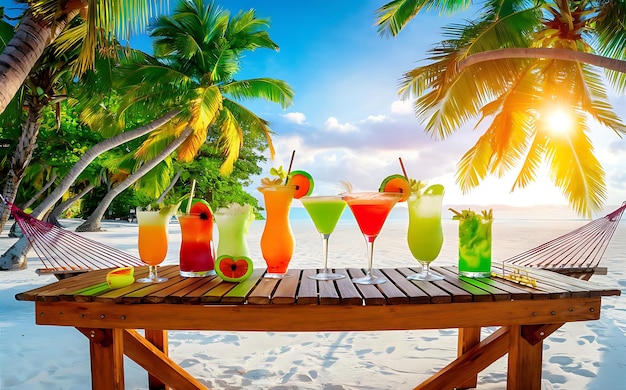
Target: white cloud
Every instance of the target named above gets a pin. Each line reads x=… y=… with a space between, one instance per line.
x=375 y=118
x=296 y=117
x=402 y=107
x=332 y=124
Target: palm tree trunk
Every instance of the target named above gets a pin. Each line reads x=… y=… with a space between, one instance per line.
x=92 y=224
x=23 y=51
x=556 y=54
x=20 y=159
x=15 y=256
x=40 y=192
x=169 y=187
x=56 y=212
x=94 y=152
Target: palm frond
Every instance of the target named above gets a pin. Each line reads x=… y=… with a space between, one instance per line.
x=230 y=140
x=393 y=16
x=575 y=169
x=272 y=90
x=474 y=165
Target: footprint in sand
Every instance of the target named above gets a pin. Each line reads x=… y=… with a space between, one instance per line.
x=257 y=374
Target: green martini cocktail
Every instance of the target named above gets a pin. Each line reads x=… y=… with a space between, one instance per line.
x=325 y=212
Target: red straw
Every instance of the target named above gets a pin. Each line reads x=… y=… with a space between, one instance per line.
x=403 y=170
x=293 y=153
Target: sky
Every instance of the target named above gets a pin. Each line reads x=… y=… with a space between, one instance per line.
x=348 y=122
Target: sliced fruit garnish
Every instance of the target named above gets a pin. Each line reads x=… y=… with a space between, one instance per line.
x=121 y=277
x=202 y=207
x=396 y=183
x=234 y=269
x=303 y=182
x=435 y=189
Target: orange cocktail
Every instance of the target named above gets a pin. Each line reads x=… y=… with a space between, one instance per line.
x=277 y=241
x=152 y=241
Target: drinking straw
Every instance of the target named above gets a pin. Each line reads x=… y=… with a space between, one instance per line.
x=293 y=153
x=403 y=170
x=189 y=201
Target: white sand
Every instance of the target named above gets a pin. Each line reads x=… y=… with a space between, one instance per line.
x=587 y=355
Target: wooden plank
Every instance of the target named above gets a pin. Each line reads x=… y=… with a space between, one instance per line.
x=179 y=296
x=239 y=293
x=215 y=294
x=158 y=338
x=480 y=291
x=296 y=318
x=262 y=292
x=393 y=294
x=436 y=294
x=348 y=293
x=513 y=290
x=139 y=291
x=370 y=293
x=194 y=295
x=524 y=364
x=156 y=362
x=468 y=338
x=106 y=351
x=307 y=291
x=544 y=282
x=328 y=292
x=468 y=365
x=413 y=293
x=285 y=293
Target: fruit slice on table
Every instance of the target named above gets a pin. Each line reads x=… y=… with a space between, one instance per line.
x=202 y=207
x=233 y=269
x=396 y=183
x=303 y=182
x=121 y=277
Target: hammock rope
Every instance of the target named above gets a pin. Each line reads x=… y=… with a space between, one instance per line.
x=578 y=251
x=63 y=251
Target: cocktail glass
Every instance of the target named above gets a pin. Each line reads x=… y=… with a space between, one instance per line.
x=197 y=252
x=475 y=246
x=277 y=240
x=152 y=241
x=425 y=235
x=325 y=212
x=370 y=210
x=232 y=225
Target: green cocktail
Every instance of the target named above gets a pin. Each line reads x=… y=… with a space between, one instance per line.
x=474 y=243
x=325 y=212
x=425 y=234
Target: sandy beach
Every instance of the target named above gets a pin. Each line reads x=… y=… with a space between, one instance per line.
x=589 y=355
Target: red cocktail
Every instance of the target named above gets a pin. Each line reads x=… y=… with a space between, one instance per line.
x=370 y=210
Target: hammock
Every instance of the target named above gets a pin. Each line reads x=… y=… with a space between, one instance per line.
x=65 y=253
x=577 y=253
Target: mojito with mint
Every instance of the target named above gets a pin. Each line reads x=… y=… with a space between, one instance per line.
x=474 y=243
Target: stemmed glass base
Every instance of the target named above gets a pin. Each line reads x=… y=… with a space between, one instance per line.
x=153 y=276
x=326 y=275
x=276 y=276
x=369 y=279
x=426 y=274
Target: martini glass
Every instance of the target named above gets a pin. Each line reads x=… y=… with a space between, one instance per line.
x=370 y=210
x=325 y=212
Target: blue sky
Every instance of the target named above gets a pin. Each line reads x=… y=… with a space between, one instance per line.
x=348 y=123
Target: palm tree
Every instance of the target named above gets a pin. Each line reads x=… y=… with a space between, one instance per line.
x=197 y=53
x=514 y=65
x=44 y=20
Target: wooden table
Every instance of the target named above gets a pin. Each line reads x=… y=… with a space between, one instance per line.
x=525 y=316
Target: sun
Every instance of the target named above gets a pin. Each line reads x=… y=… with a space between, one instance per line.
x=558 y=121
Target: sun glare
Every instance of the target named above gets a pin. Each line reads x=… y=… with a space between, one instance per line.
x=559 y=121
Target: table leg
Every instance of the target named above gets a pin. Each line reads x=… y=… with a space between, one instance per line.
x=525 y=359
x=158 y=338
x=468 y=338
x=106 y=349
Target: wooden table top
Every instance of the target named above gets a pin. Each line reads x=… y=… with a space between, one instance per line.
x=300 y=290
